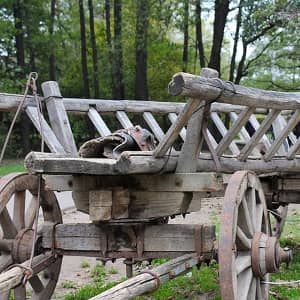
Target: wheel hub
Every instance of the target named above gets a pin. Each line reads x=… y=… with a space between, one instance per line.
x=267 y=255
x=22 y=245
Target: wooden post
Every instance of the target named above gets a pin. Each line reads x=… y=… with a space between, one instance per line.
x=58 y=116
x=190 y=151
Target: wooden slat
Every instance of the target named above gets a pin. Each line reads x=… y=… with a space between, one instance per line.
x=293 y=150
x=141 y=163
x=255 y=124
x=223 y=130
x=154 y=126
x=277 y=129
x=98 y=122
x=278 y=141
x=50 y=138
x=176 y=127
x=123 y=119
x=194 y=138
x=259 y=133
x=283 y=122
x=234 y=130
x=58 y=117
x=172 y=117
x=244 y=133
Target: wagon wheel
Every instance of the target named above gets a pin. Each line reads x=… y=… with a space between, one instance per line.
x=18 y=196
x=277 y=218
x=247 y=252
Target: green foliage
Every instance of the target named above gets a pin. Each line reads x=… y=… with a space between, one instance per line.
x=14 y=167
x=98 y=273
x=84 y=264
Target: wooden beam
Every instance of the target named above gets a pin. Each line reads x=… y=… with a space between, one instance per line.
x=123 y=119
x=154 y=126
x=142 y=162
x=50 y=138
x=115 y=239
x=234 y=130
x=184 y=84
x=193 y=142
x=58 y=116
x=98 y=122
x=147 y=282
x=172 y=117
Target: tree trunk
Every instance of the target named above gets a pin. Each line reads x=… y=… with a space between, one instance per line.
x=236 y=39
x=94 y=49
x=85 y=77
x=199 y=40
x=240 y=70
x=186 y=36
x=221 y=12
x=142 y=14
x=118 y=84
x=52 y=67
x=19 y=35
x=108 y=39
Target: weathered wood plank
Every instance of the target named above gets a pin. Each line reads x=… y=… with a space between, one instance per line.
x=283 y=134
x=117 y=238
x=176 y=127
x=293 y=150
x=194 y=138
x=98 y=122
x=172 y=117
x=134 y=163
x=255 y=124
x=50 y=138
x=60 y=183
x=123 y=119
x=277 y=129
x=234 y=130
x=10 y=102
x=145 y=282
x=58 y=117
x=259 y=133
x=198 y=87
x=154 y=126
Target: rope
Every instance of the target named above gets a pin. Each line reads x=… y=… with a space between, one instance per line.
x=281 y=282
x=31 y=76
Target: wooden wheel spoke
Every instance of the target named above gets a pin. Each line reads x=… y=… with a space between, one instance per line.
x=8 y=227
x=242 y=262
x=36 y=284
x=243 y=238
x=19 y=209
x=5 y=295
x=20 y=293
x=5 y=261
x=245 y=220
x=30 y=212
x=259 y=293
x=252 y=290
x=259 y=217
x=244 y=283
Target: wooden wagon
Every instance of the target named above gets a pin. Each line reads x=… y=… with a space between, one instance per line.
x=226 y=140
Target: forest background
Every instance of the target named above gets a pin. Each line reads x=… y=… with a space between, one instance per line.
x=129 y=49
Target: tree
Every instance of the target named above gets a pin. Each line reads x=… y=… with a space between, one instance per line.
x=142 y=16
x=117 y=66
x=52 y=66
x=199 y=39
x=221 y=12
x=85 y=76
x=94 y=49
x=185 y=36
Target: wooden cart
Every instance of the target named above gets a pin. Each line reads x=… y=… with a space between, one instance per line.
x=224 y=129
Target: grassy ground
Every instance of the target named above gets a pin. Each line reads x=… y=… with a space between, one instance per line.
x=11 y=166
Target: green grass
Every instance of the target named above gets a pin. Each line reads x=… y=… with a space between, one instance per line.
x=84 y=264
x=15 y=167
x=98 y=273
x=68 y=285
